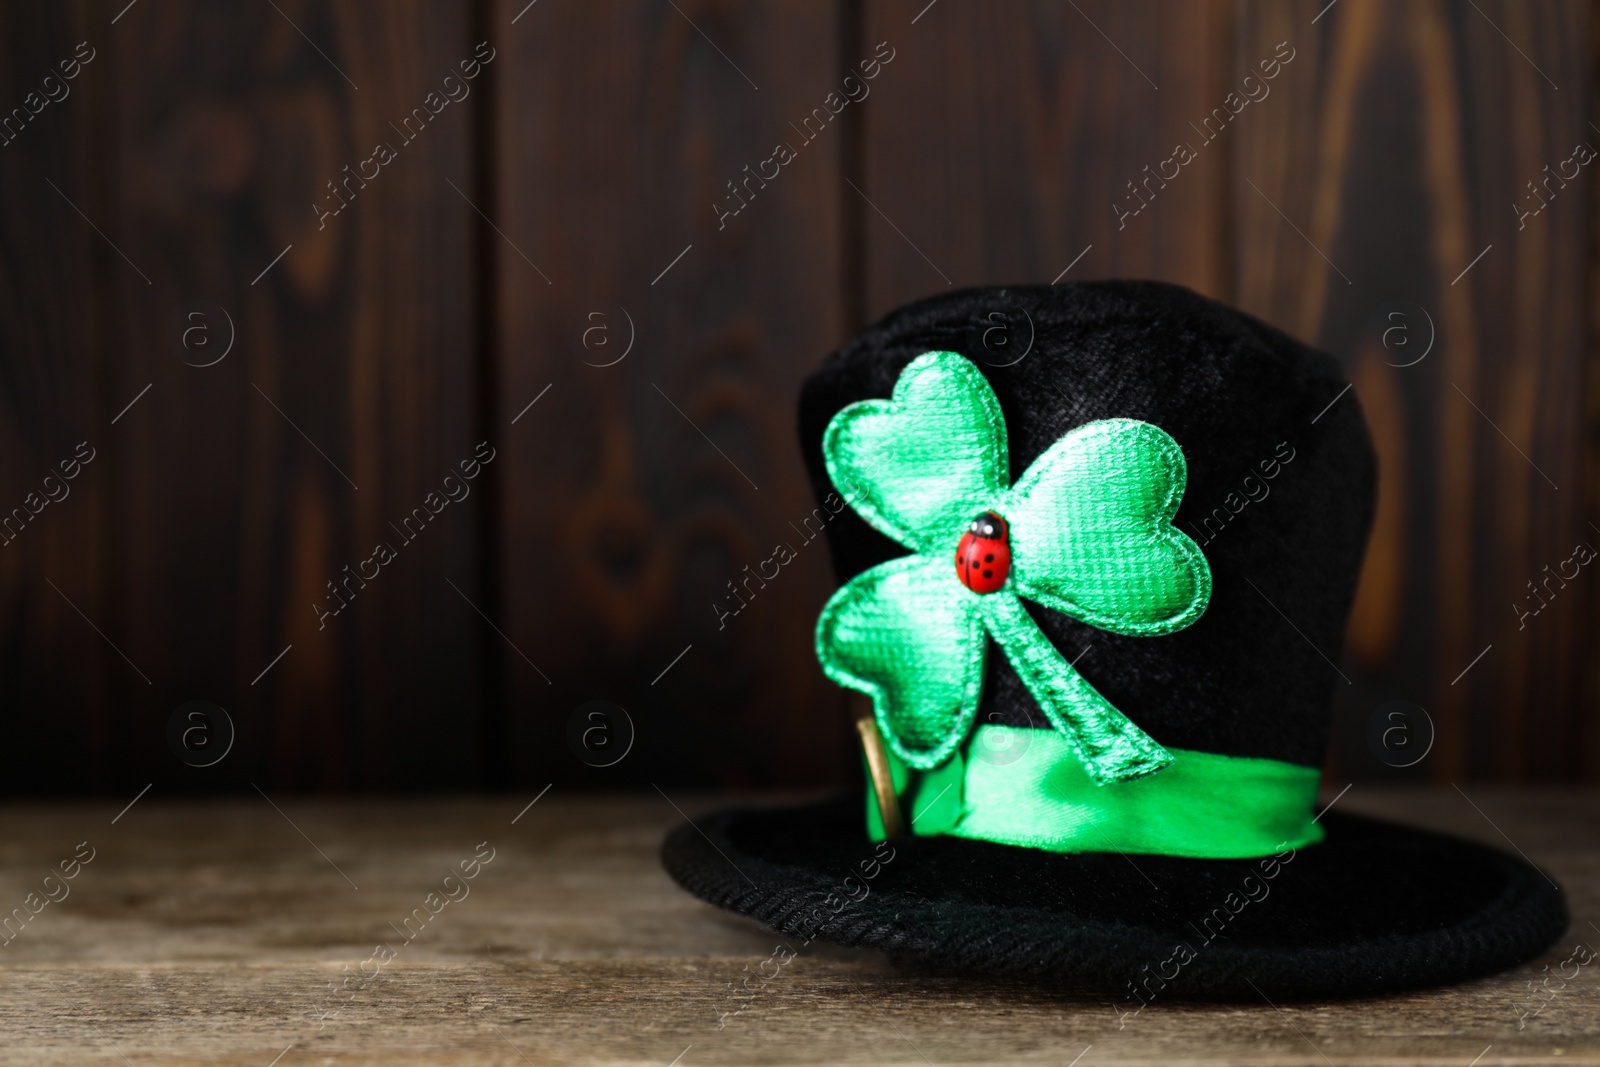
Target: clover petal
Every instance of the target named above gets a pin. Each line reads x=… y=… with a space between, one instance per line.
x=1092 y=533
x=919 y=465
x=907 y=633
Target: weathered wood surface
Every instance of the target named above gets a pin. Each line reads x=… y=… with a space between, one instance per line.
x=211 y=933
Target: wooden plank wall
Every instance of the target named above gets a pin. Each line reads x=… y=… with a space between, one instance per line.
x=222 y=502
x=639 y=486
x=57 y=694
x=1399 y=148
x=553 y=265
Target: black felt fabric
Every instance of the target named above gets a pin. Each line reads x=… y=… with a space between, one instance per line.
x=1235 y=394
x=1376 y=907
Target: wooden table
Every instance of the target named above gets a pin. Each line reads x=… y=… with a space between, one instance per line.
x=222 y=932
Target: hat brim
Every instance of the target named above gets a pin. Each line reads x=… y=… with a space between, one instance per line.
x=1376 y=907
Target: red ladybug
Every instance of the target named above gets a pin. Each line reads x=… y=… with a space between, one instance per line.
x=983 y=559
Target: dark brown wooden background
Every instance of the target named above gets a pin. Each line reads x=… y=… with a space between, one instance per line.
x=546 y=214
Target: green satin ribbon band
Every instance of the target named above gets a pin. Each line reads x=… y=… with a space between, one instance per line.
x=1021 y=786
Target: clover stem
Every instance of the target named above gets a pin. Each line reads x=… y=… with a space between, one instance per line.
x=1107 y=743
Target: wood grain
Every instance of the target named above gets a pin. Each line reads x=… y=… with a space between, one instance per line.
x=641 y=487
x=997 y=150
x=547 y=214
x=212 y=933
x=1400 y=141
x=230 y=496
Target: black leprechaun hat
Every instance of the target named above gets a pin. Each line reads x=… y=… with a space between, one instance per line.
x=1097 y=545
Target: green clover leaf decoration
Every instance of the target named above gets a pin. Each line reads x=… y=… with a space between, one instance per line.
x=1091 y=535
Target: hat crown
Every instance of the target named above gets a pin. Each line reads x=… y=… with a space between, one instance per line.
x=1279 y=492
